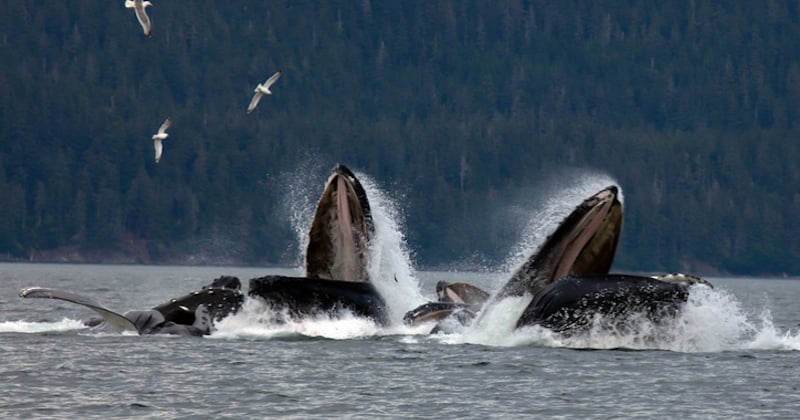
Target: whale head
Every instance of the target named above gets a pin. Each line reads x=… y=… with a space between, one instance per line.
x=583 y=244
x=341 y=230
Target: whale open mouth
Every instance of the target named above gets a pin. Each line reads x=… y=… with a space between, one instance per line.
x=583 y=244
x=340 y=231
x=592 y=243
x=336 y=260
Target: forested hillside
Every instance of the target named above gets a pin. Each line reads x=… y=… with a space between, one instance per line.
x=458 y=109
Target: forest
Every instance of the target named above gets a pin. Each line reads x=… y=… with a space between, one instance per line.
x=467 y=115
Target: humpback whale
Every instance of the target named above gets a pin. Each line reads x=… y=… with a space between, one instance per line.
x=336 y=259
x=459 y=300
x=571 y=304
x=190 y=315
x=460 y=292
x=568 y=282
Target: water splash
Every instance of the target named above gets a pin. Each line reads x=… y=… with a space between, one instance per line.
x=389 y=263
x=301 y=190
x=259 y=320
x=769 y=337
x=497 y=327
x=65 y=324
x=712 y=320
x=562 y=195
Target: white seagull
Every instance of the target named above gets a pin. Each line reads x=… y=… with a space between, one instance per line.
x=138 y=6
x=161 y=136
x=262 y=90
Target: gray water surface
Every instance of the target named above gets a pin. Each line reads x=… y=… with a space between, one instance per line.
x=738 y=358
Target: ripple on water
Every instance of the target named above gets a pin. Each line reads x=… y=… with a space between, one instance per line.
x=733 y=366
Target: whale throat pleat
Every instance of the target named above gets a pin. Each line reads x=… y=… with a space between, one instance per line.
x=347 y=251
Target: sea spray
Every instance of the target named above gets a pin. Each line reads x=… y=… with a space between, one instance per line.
x=389 y=262
x=553 y=204
x=65 y=324
x=497 y=327
x=301 y=190
x=258 y=320
x=712 y=320
x=768 y=337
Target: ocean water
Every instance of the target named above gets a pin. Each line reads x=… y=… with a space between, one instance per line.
x=734 y=352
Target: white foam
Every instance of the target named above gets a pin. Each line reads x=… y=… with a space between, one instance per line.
x=497 y=327
x=389 y=262
x=65 y=324
x=712 y=320
x=301 y=189
x=769 y=337
x=257 y=319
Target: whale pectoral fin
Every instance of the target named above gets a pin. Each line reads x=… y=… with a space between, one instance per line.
x=116 y=320
x=146 y=322
x=202 y=320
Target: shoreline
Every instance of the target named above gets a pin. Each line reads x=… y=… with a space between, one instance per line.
x=453 y=268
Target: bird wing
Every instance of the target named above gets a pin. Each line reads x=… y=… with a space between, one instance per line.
x=272 y=79
x=141 y=14
x=159 y=148
x=165 y=126
x=254 y=102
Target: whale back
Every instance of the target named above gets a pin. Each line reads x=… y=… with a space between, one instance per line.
x=221 y=298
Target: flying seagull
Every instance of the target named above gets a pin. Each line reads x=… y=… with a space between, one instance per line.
x=262 y=90
x=138 y=6
x=161 y=136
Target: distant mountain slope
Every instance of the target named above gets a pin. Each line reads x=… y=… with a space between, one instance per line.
x=466 y=113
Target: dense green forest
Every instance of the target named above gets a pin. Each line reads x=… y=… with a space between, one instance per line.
x=458 y=110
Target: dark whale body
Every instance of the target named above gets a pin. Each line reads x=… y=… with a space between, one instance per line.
x=189 y=315
x=569 y=305
x=303 y=296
